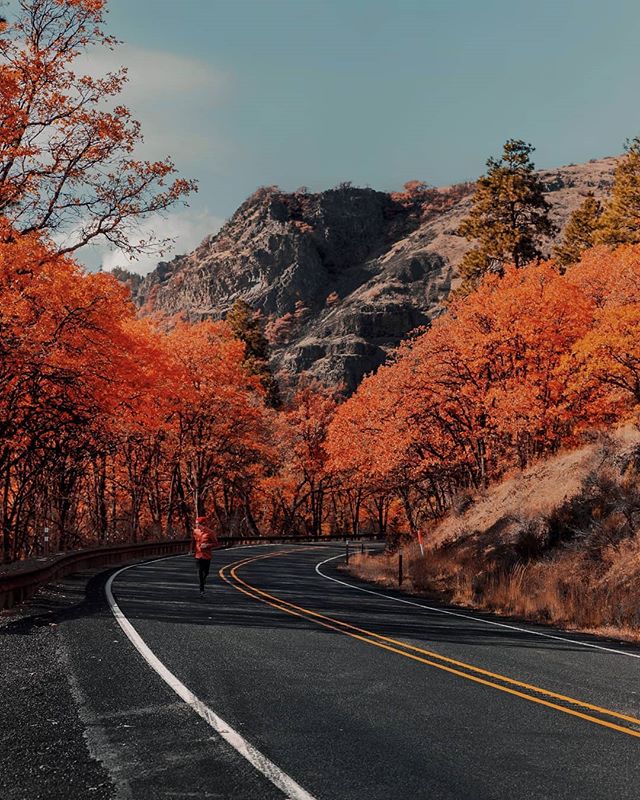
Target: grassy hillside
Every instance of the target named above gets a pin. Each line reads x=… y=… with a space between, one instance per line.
x=558 y=543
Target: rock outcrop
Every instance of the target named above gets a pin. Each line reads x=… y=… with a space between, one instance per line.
x=341 y=276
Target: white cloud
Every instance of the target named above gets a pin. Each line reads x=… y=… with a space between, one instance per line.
x=174 y=97
x=187 y=229
x=157 y=72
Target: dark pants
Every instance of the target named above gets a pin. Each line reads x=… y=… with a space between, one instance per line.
x=203 y=570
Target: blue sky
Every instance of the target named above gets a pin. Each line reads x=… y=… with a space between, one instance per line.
x=245 y=93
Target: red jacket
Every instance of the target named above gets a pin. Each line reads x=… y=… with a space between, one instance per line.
x=204 y=540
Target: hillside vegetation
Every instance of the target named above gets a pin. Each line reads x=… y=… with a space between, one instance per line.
x=558 y=542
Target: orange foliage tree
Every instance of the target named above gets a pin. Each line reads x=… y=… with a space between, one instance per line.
x=512 y=372
x=296 y=496
x=111 y=428
x=603 y=368
x=220 y=424
x=66 y=364
x=67 y=161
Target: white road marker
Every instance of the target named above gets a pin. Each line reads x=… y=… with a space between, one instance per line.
x=469 y=616
x=286 y=784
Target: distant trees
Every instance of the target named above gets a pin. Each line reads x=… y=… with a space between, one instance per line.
x=421 y=201
x=300 y=490
x=219 y=429
x=113 y=429
x=280 y=330
x=248 y=325
x=620 y=222
x=580 y=232
x=509 y=217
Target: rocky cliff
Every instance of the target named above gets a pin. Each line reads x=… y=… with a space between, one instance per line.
x=340 y=276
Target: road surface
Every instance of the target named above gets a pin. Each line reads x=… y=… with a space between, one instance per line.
x=310 y=684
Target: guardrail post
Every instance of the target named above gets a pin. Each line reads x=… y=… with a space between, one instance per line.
x=346 y=555
x=400 y=575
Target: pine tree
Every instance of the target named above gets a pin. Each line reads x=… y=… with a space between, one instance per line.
x=248 y=326
x=580 y=232
x=621 y=217
x=510 y=215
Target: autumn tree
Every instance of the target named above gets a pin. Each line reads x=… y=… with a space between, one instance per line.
x=219 y=437
x=609 y=361
x=608 y=277
x=67 y=146
x=482 y=391
x=620 y=223
x=300 y=491
x=509 y=217
x=355 y=445
x=604 y=366
x=69 y=364
x=80 y=400
x=580 y=231
x=248 y=325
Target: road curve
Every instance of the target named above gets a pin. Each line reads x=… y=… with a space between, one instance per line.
x=325 y=690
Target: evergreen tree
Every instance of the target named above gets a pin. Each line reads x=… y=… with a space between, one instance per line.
x=248 y=326
x=621 y=217
x=510 y=215
x=580 y=231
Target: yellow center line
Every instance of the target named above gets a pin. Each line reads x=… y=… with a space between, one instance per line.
x=393 y=645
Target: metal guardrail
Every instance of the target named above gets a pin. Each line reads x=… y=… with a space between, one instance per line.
x=18 y=584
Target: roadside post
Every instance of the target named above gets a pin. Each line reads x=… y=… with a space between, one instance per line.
x=346 y=555
x=46 y=541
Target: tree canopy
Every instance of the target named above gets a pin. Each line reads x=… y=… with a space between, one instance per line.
x=620 y=222
x=580 y=232
x=509 y=217
x=68 y=165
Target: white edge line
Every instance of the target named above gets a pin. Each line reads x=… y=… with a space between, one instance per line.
x=470 y=616
x=284 y=782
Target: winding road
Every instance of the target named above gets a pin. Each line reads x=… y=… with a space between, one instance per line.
x=314 y=685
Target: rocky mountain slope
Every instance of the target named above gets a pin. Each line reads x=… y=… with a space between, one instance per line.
x=341 y=276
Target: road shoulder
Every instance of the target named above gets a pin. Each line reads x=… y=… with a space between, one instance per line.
x=45 y=750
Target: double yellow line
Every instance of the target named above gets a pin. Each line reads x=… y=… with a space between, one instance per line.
x=502 y=683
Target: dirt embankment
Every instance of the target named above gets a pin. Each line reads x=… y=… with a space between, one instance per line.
x=558 y=543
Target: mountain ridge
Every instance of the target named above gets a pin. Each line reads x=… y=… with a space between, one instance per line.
x=341 y=276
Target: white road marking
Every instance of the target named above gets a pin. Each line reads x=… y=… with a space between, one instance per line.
x=469 y=616
x=291 y=789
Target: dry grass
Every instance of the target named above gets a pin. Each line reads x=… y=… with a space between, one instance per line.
x=559 y=543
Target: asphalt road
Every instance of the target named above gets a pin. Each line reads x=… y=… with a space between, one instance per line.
x=348 y=693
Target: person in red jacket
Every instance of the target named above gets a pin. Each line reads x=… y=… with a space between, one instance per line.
x=204 y=540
